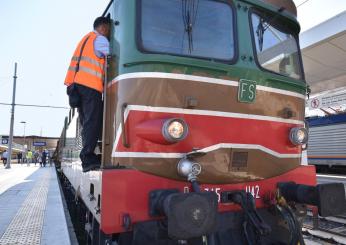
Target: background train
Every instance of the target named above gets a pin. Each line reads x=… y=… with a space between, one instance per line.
x=327 y=141
x=203 y=129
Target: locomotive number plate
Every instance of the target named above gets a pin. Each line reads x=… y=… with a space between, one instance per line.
x=246 y=91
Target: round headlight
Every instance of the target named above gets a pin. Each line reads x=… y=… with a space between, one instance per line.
x=299 y=136
x=174 y=130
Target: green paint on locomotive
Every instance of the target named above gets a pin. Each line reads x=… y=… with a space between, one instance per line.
x=128 y=58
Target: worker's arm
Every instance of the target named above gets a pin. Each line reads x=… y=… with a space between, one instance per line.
x=101 y=46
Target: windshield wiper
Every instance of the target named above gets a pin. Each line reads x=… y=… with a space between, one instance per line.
x=260 y=31
x=189 y=13
x=263 y=26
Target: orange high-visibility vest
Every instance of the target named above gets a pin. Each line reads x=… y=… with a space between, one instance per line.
x=91 y=67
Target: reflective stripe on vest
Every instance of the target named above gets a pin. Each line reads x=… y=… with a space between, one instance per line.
x=91 y=67
x=85 y=58
x=87 y=70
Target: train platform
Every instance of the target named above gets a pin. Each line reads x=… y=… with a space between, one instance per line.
x=31 y=207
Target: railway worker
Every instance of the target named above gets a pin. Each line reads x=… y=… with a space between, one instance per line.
x=85 y=86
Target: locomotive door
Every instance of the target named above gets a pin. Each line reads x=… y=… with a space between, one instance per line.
x=110 y=98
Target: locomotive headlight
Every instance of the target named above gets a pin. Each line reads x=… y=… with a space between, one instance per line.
x=299 y=136
x=174 y=130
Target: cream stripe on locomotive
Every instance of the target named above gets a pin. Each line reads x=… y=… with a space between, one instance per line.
x=199 y=79
x=209 y=148
x=205 y=150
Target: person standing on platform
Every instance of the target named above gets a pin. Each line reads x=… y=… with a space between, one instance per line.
x=4 y=157
x=36 y=156
x=49 y=159
x=24 y=157
x=19 y=157
x=40 y=158
x=29 y=157
x=44 y=158
x=84 y=79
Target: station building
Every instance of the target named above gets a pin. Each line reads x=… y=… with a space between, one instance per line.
x=31 y=142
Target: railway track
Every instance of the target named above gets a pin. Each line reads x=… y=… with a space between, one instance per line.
x=329 y=230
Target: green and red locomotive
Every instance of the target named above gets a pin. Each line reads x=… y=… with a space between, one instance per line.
x=203 y=128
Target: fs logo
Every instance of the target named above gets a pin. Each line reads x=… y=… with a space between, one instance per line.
x=246 y=91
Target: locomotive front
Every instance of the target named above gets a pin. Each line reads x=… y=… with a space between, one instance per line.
x=205 y=125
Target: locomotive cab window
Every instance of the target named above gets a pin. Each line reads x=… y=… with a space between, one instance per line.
x=196 y=28
x=276 y=47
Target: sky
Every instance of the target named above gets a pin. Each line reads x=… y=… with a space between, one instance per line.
x=41 y=35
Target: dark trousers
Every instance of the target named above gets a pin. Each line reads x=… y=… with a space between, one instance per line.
x=90 y=116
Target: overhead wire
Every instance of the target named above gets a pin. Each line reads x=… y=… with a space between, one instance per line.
x=303 y=3
x=40 y=106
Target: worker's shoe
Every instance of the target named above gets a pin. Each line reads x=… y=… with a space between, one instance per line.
x=91 y=167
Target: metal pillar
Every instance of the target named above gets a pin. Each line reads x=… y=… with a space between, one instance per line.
x=24 y=124
x=9 y=158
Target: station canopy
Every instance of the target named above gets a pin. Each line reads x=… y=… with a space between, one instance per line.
x=15 y=149
x=324 y=58
x=4 y=140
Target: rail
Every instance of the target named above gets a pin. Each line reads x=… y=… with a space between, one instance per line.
x=326 y=229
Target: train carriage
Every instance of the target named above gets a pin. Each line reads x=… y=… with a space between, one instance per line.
x=203 y=128
x=327 y=142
